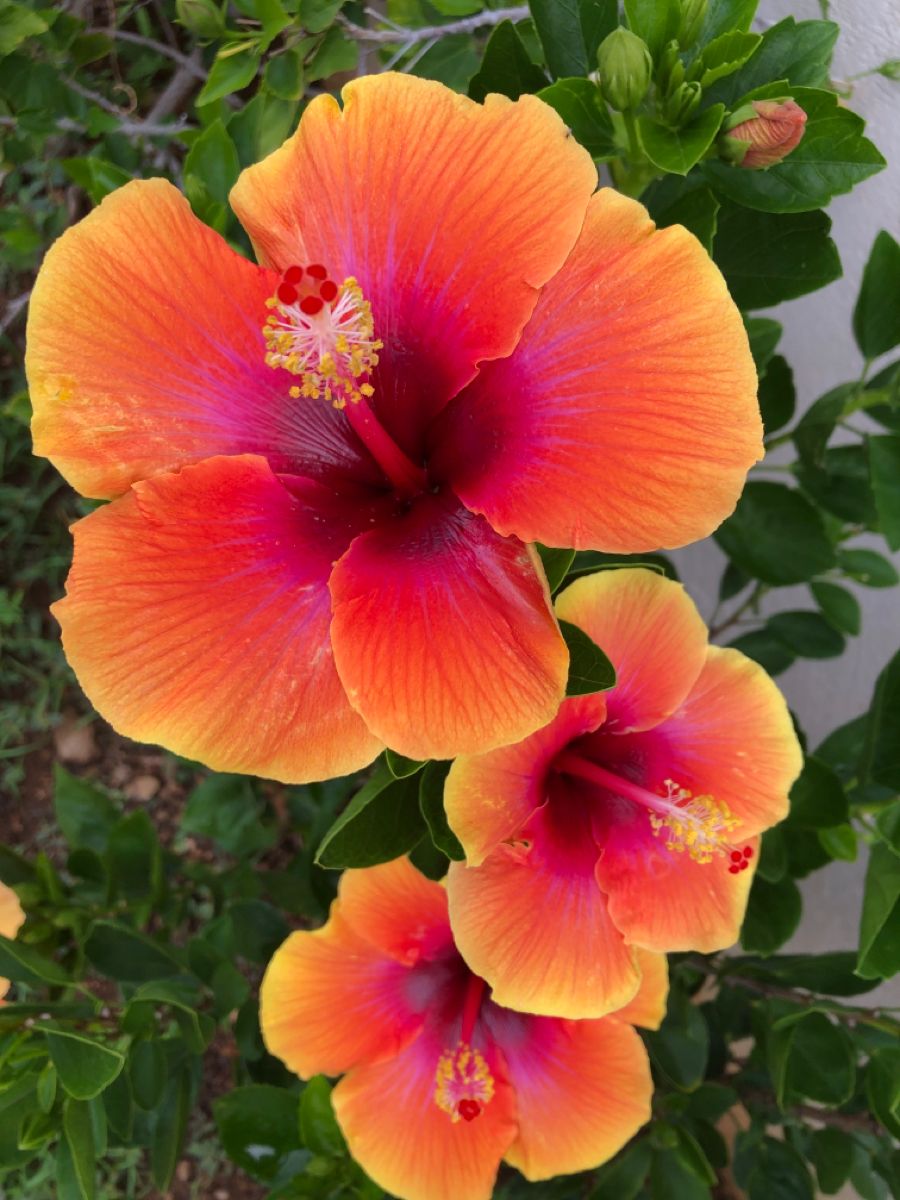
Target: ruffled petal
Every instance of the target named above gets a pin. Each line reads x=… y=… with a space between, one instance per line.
x=11 y=919
x=330 y=1001
x=650 y=629
x=489 y=797
x=648 y=1007
x=626 y=419
x=397 y=910
x=450 y=214
x=443 y=634
x=582 y=1090
x=408 y=1145
x=197 y=614
x=145 y=352
x=532 y=922
x=733 y=738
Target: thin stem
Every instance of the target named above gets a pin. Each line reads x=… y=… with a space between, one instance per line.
x=735 y=616
x=138 y=39
x=408 y=479
x=481 y=20
x=471 y=1006
x=573 y=764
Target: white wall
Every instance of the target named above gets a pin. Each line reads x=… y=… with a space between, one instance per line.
x=818 y=343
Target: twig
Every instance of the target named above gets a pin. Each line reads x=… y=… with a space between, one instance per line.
x=412 y=37
x=754 y=596
x=175 y=92
x=138 y=39
x=849 y=1122
x=13 y=309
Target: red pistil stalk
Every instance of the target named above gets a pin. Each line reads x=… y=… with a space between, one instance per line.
x=408 y=479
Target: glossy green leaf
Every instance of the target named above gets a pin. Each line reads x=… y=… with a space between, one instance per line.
x=807 y=634
x=769 y=257
x=777 y=397
x=226 y=809
x=765 y=648
x=840 y=842
x=431 y=803
x=876 y=318
x=506 y=67
x=85 y=813
x=879 y=934
x=124 y=954
x=696 y=210
x=579 y=103
x=814 y=1058
x=234 y=68
x=678 y=150
x=258 y=927
x=868 y=567
x=817 y=797
x=764 y=335
x=773 y=914
x=318 y=1128
x=680 y=1047
x=400 y=766
x=623 y=1177
x=598 y=19
x=656 y=21
x=381 y=822
x=798 y=52
x=725 y=15
x=24 y=964
x=84 y=1066
x=832 y=1154
x=210 y=171
x=555 y=563
x=79 y=1135
x=832 y=158
x=884 y=464
x=589 y=668
x=259 y=1127
x=336 y=53
x=777 y=1172
x=148 y=1073
x=880 y=761
x=839 y=606
x=883 y=1088
x=559 y=28
x=888 y=823
x=170 y=1128
x=723 y=56
x=776 y=535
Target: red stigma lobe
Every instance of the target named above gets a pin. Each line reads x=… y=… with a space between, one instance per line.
x=468 y=1109
x=328 y=290
x=316 y=271
x=286 y=293
x=311 y=305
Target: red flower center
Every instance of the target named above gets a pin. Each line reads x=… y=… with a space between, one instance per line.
x=468 y=1109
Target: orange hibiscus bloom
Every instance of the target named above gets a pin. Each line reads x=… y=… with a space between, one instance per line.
x=442 y=1083
x=631 y=820
x=11 y=917
x=325 y=470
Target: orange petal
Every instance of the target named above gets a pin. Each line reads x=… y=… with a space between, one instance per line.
x=489 y=797
x=648 y=1007
x=11 y=919
x=582 y=1090
x=197 y=616
x=733 y=738
x=626 y=418
x=650 y=629
x=532 y=922
x=408 y=1145
x=451 y=214
x=665 y=901
x=397 y=910
x=145 y=352
x=330 y=1001
x=443 y=634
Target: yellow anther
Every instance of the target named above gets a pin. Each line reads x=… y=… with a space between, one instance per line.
x=700 y=825
x=463 y=1083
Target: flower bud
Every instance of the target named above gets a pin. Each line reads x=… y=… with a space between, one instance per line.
x=681 y=105
x=625 y=68
x=693 y=14
x=670 y=70
x=202 y=17
x=762 y=133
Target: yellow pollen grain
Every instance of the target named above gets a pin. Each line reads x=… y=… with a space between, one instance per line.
x=462 y=1074
x=700 y=825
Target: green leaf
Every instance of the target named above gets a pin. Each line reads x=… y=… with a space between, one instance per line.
x=798 y=52
x=772 y=856
x=623 y=1178
x=773 y=914
x=588 y=561
x=46 y=1087
x=84 y=1066
x=884 y=464
x=777 y=397
x=17 y=23
x=818 y=422
x=656 y=21
x=226 y=809
x=678 y=150
x=318 y=1128
x=723 y=56
x=431 y=802
x=336 y=53
x=888 y=822
x=767 y=258
x=23 y=964
x=234 y=68
x=807 y=634
x=284 y=74
x=272 y=18
x=696 y=210
x=832 y=157
x=832 y=1154
x=259 y=1127
x=148 y=1072
x=680 y=1047
x=765 y=648
x=883 y=1088
x=881 y=755
x=579 y=103
x=876 y=317
x=776 y=535
x=839 y=606
x=777 y=1172
x=134 y=857
x=725 y=15
x=401 y=767
x=598 y=19
x=380 y=823
x=817 y=797
x=764 y=335
x=556 y=564
x=868 y=567
x=317 y=15
x=673 y=1177
x=259 y=929
x=559 y=28
x=210 y=170
x=589 y=668
x=506 y=67
x=170 y=1128
x=85 y=814
x=879 y=934
x=14 y=869
x=815 y=1059
x=840 y=842
x=94 y=175
x=79 y=1135
x=121 y=953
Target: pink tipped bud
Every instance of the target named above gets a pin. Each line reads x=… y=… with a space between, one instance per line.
x=763 y=132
